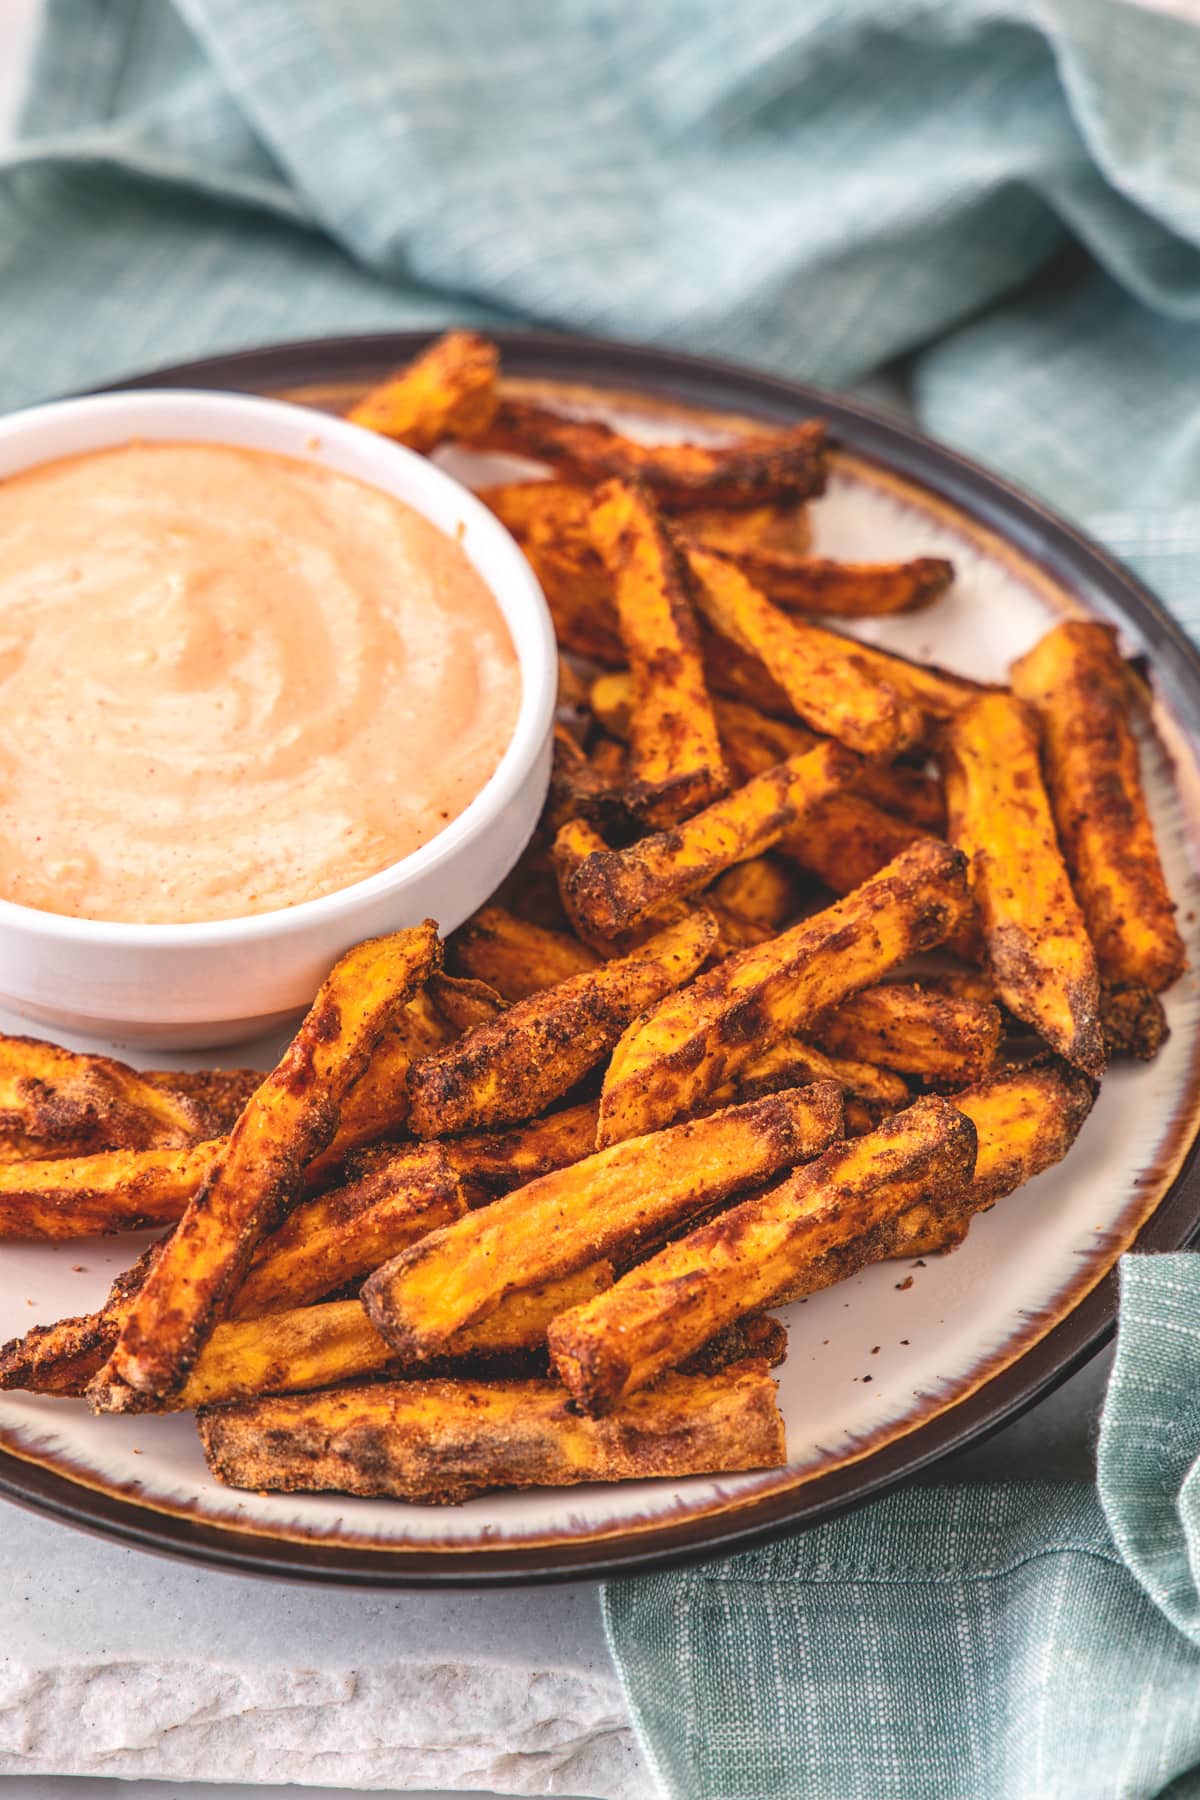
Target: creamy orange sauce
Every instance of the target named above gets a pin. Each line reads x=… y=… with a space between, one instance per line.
x=230 y=681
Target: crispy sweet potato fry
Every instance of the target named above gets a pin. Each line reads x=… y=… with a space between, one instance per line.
x=513 y=1068
x=578 y=790
x=115 y=1190
x=291 y=1118
x=675 y=751
x=814 y=584
x=783 y=464
x=827 y=681
x=846 y=838
x=753 y=740
x=764 y=891
x=663 y=1310
x=448 y=391
x=58 y=1102
x=1133 y=1021
x=605 y=1206
x=784 y=526
x=441 y=1441
x=217 y=1095
x=690 y=1044
x=761 y=1336
x=514 y=957
x=1037 y=941
x=916 y=1031
x=491 y=1162
x=322 y=1346
x=1077 y=681
x=612 y=890
x=377 y=1104
x=791 y=1062
x=326 y=1242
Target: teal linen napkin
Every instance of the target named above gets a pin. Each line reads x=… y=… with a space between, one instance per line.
x=999 y=199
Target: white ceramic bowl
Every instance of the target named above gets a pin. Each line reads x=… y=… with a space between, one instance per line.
x=184 y=986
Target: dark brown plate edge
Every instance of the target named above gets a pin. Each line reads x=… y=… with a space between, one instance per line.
x=1067 y=555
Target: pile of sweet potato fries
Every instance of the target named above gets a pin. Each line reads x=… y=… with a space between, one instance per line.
x=512 y=1210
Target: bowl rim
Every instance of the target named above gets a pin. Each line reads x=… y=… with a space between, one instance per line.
x=318 y=432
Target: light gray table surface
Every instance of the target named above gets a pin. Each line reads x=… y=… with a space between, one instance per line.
x=123 y=1674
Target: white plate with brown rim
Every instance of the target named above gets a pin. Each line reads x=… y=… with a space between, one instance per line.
x=888 y=1371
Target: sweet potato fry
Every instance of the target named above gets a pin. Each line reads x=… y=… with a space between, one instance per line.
x=793 y=1063
x=439 y=1442
x=612 y=890
x=675 y=751
x=292 y=1117
x=322 y=1346
x=752 y=741
x=605 y=1206
x=216 y=1095
x=762 y=890
x=761 y=1336
x=115 y=1190
x=376 y=1106
x=448 y=391
x=846 y=838
x=783 y=464
x=784 y=526
x=691 y=1044
x=663 y=1310
x=463 y=1002
x=516 y=1066
x=325 y=1242
x=814 y=584
x=1077 y=681
x=916 y=1031
x=827 y=681
x=56 y=1102
x=554 y=512
x=1037 y=941
x=1133 y=1022
x=491 y=1162
x=514 y=957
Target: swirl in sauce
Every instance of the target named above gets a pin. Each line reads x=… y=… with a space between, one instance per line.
x=231 y=681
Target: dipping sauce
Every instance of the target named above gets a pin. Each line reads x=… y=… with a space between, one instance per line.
x=231 y=681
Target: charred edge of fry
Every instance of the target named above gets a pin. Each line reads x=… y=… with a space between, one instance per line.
x=440 y=1442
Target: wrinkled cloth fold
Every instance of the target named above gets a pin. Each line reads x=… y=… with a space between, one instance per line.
x=1000 y=201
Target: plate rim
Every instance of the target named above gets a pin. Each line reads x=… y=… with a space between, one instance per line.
x=1043 y=536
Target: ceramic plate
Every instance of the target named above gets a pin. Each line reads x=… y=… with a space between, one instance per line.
x=895 y=1367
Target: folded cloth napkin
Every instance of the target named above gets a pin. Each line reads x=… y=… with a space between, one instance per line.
x=1001 y=198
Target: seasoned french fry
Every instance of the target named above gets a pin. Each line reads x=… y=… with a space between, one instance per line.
x=514 y=957
x=752 y=741
x=827 y=681
x=440 y=1441
x=611 y=890
x=491 y=1162
x=916 y=1031
x=513 y=1068
x=814 y=584
x=762 y=890
x=605 y=1206
x=783 y=464
x=761 y=1336
x=675 y=751
x=377 y=1104
x=216 y=1095
x=845 y=839
x=292 y=1117
x=793 y=1063
x=553 y=512
x=322 y=1346
x=1075 y=678
x=330 y=1240
x=1037 y=941
x=663 y=1310
x=783 y=526
x=57 y=1102
x=691 y=1044
x=448 y=391
x=463 y=1002
x=1133 y=1021
x=115 y=1190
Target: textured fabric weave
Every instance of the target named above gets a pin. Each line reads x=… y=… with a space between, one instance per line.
x=1001 y=198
